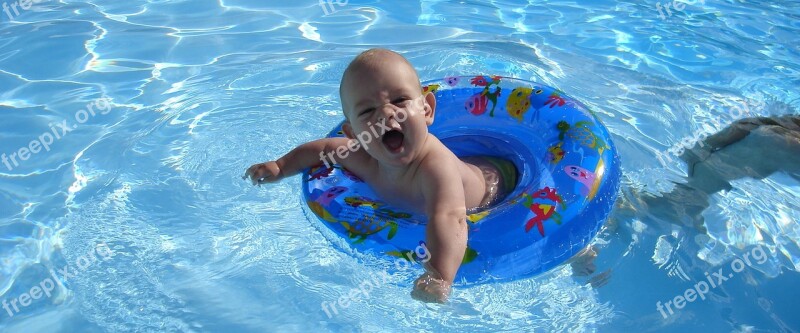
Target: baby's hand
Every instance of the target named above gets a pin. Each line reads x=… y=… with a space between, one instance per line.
x=431 y=288
x=267 y=172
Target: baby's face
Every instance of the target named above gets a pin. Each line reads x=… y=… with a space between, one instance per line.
x=387 y=111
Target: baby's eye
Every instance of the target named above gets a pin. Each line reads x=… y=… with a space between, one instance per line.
x=365 y=111
x=401 y=102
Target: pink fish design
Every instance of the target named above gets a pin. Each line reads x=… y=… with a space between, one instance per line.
x=326 y=197
x=583 y=176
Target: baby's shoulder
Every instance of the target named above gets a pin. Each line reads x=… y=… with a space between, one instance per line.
x=361 y=163
x=439 y=154
x=440 y=161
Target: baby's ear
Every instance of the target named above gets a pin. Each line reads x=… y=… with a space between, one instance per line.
x=348 y=130
x=429 y=107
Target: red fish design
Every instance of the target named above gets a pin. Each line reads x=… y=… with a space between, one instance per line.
x=554 y=100
x=476 y=104
x=487 y=82
x=543 y=211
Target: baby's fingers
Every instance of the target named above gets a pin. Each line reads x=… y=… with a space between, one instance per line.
x=255 y=173
x=430 y=290
x=261 y=180
x=263 y=173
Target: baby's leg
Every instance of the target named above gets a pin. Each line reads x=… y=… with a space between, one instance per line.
x=748 y=148
x=500 y=177
x=752 y=147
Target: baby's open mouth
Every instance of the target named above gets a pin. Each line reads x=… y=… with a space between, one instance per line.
x=393 y=140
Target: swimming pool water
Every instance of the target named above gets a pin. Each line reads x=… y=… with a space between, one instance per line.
x=138 y=194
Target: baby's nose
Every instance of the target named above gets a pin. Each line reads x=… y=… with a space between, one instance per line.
x=388 y=111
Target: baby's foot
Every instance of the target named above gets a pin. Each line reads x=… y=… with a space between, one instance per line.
x=431 y=288
x=583 y=262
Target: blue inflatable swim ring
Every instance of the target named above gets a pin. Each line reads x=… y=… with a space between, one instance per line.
x=568 y=180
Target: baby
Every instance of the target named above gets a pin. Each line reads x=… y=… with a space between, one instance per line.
x=405 y=165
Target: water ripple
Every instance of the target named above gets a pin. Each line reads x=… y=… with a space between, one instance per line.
x=203 y=89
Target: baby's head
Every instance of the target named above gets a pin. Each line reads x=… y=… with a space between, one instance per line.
x=384 y=106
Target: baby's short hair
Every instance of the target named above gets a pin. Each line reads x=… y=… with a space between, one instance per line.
x=372 y=57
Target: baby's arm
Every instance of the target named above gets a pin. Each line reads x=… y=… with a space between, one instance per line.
x=446 y=232
x=304 y=156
